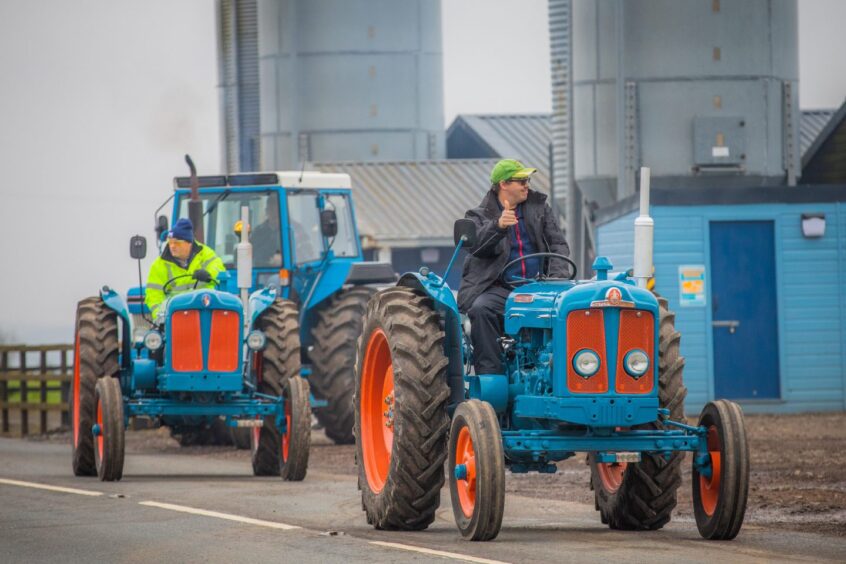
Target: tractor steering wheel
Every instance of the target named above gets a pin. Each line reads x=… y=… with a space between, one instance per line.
x=541 y=277
x=171 y=281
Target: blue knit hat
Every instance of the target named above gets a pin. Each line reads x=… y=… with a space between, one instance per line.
x=183 y=230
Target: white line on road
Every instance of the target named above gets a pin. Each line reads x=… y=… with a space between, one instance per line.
x=46 y=487
x=230 y=517
x=453 y=555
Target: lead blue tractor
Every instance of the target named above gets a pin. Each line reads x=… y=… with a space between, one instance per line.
x=305 y=244
x=592 y=366
x=206 y=355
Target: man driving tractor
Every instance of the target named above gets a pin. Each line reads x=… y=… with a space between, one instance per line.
x=512 y=221
x=184 y=265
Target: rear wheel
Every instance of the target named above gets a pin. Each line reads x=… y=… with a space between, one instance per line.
x=719 y=499
x=96 y=349
x=279 y=361
x=109 y=430
x=400 y=410
x=336 y=331
x=476 y=471
x=642 y=496
x=293 y=461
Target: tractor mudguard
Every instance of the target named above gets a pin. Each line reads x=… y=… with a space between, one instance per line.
x=260 y=300
x=445 y=305
x=114 y=302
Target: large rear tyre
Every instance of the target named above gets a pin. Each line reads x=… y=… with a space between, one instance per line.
x=296 y=440
x=476 y=471
x=96 y=349
x=109 y=430
x=401 y=421
x=279 y=361
x=642 y=496
x=719 y=499
x=335 y=333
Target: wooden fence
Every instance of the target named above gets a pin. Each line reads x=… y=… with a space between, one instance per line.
x=34 y=388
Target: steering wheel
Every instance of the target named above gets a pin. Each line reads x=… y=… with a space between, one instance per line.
x=541 y=277
x=172 y=280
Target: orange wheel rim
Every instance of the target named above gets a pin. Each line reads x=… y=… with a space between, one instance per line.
x=286 y=438
x=100 y=441
x=377 y=410
x=466 y=455
x=611 y=475
x=75 y=414
x=709 y=488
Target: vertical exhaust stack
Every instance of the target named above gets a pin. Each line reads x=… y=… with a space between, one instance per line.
x=244 y=254
x=643 y=234
x=195 y=204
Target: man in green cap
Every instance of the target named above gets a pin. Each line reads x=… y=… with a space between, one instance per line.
x=513 y=221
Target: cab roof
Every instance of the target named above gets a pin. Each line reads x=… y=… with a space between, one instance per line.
x=284 y=178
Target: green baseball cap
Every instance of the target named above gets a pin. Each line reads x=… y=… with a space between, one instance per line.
x=507 y=169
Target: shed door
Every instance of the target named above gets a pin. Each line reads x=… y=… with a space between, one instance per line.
x=744 y=310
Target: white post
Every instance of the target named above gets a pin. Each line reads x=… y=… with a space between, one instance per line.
x=643 y=234
x=244 y=253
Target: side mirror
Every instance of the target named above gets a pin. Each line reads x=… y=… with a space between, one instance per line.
x=161 y=225
x=328 y=223
x=138 y=247
x=467 y=229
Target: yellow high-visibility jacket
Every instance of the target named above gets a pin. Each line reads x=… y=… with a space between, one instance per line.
x=166 y=268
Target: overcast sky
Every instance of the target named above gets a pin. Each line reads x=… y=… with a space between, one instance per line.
x=100 y=100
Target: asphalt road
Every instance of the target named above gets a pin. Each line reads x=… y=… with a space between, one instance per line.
x=179 y=507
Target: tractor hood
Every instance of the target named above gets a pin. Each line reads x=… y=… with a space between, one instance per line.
x=538 y=305
x=204 y=300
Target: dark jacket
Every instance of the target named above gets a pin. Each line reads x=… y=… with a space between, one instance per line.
x=485 y=260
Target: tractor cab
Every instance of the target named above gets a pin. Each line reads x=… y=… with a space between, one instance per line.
x=300 y=221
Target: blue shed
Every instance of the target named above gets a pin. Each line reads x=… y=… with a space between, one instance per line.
x=757 y=278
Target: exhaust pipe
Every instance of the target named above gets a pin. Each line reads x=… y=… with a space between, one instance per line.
x=244 y=254
x=643 y=234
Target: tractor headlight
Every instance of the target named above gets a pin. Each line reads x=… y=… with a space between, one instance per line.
x=636 y=363
x=586 y=363
x=153 y=340
x=256 y=340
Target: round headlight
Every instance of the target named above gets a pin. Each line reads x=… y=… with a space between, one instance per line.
x=636 y=363
x=153 y=340
x=586 y=363
x=256 y=340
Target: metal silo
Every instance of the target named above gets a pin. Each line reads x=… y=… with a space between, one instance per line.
x=341 y=80
x=702 y=91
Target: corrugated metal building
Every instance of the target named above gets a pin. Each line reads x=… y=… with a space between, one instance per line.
x=527 y=136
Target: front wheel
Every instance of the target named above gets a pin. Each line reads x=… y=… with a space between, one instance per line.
x=297 y=437
x=719 y=498
x=109 y=430
x=476 y=471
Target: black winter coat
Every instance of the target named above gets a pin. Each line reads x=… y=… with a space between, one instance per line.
x=486 y=259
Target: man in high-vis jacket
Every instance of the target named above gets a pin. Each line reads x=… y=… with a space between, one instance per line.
x=184 y=265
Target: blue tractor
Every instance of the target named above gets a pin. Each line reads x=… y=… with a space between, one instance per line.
x=306 y=244
x=592 y=366
x=235 y=356
x=208 y=354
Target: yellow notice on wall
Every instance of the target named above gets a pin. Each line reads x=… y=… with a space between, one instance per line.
x=692 y=285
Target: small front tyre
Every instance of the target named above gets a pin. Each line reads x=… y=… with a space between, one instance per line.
x=296 y=440
x=476 y=471
x=108 y=430
x=719 y=499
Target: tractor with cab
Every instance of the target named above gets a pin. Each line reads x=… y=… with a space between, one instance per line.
x=306 y=245
x=592 y=366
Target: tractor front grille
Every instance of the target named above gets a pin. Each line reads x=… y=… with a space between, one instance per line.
x=587 y=329
x=186 y=342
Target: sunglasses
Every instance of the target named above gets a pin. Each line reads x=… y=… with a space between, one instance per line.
x=522 y=181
